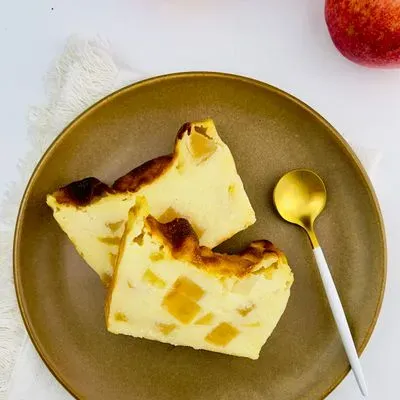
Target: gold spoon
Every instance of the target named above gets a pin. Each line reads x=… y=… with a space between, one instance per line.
x=299 y=197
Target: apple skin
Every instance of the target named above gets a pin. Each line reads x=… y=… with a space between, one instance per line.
x=366 y=31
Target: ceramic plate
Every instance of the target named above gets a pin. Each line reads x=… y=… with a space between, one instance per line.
x=269 y=133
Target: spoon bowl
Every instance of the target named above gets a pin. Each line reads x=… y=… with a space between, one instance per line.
x=299 y=197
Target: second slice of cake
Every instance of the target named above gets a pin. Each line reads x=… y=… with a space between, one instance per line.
x=168 y=288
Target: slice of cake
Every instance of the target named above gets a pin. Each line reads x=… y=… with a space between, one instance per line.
x=168 y=288
x=198 y=181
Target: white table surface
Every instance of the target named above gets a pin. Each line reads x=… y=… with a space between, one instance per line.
x=283 y=42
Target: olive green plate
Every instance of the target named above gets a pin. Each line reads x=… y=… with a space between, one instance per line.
x=269 y=133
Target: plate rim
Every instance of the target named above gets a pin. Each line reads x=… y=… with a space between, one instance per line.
x=339 y=139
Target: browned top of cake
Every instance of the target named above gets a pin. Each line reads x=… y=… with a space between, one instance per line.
x=86 y=191
x=83 y=192
x=143 y=175
x=183 y=244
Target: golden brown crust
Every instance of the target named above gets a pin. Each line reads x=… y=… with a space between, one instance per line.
x=143 y=175
x=83 y=192
x=86 y=191
x=183 y=243
x=89 y=190
x=259 y=248
x=187 y=126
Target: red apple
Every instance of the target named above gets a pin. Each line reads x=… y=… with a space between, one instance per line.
x=366 y=31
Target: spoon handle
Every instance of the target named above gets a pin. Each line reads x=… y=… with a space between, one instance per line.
x=340 y=319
